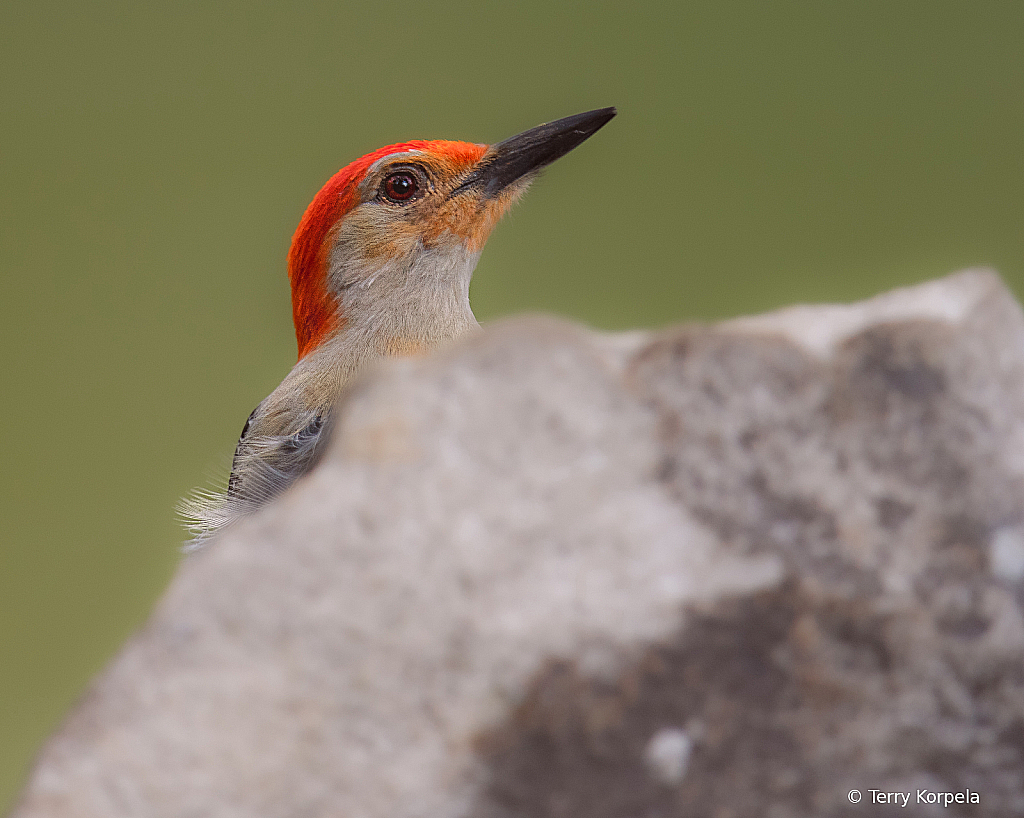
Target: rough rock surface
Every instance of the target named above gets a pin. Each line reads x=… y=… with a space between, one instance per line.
x=720 y=571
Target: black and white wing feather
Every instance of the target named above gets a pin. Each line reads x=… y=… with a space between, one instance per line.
x=262 y=468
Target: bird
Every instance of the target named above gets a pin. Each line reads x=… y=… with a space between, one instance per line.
x=379 y=266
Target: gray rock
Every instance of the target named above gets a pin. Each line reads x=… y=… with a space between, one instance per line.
x=737 y=570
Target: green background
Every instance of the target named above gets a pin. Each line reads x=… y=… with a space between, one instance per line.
x=155 y=159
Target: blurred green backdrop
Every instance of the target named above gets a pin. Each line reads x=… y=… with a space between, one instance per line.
x=155 y=159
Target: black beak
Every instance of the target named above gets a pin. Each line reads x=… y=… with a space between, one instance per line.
x=532 y=150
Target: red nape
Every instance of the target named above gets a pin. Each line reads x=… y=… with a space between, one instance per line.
x=314 y=310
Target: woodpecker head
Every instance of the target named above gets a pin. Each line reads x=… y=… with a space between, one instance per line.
x=413 y=215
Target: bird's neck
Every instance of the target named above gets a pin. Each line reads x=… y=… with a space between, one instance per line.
x=402 y=306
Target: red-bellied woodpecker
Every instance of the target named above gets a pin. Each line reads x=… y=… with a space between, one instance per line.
x=380 y=265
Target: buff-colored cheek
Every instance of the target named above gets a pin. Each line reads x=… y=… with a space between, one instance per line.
x=400 y=242
x=470 y=219
x=456 y=217
x=376 y=234
x=373 y=235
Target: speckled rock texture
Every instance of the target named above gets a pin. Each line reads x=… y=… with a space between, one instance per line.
x=726 y=571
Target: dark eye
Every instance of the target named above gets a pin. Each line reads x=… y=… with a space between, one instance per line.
x=401 y=186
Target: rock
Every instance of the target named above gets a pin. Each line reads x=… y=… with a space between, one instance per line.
x=738 y=570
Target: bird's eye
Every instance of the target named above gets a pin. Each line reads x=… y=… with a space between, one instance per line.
x=401 y=186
